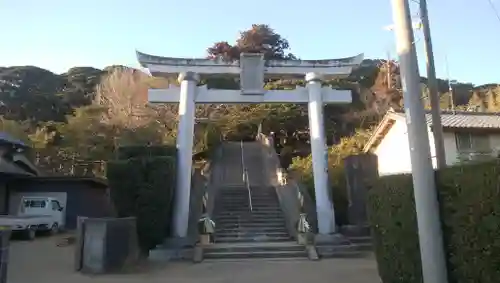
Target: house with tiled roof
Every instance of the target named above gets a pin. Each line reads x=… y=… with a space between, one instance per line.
x=467 y=136
x=19 y=177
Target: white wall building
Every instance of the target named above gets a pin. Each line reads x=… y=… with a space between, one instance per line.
x=467 y=136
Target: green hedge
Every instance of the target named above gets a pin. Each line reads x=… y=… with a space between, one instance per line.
x=469 y=199
x=144 y=187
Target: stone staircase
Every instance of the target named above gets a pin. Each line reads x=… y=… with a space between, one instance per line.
x=242 y=233
x=244 y=229
x=258 y=231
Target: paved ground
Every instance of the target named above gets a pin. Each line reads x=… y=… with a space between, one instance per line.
x=42 y=262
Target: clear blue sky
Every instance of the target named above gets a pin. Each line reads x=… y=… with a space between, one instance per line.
x=59 y=34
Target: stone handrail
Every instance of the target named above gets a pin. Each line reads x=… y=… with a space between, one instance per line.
x=293 y=197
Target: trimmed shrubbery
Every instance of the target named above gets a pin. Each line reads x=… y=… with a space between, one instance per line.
x=142 y=185
x=469 y=199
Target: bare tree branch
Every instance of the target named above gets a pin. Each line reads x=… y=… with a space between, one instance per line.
x=123 y=92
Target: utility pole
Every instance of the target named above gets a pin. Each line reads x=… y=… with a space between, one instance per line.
x=437 y=127
x=450 y=88
x=424 y=187
x=389 y=70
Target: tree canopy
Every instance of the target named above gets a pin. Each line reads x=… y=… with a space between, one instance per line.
x=258 y=39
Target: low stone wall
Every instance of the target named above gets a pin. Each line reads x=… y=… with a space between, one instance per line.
x=198 y=188
x=203 y=191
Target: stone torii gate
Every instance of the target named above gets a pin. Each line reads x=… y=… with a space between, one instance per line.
x=252 y=70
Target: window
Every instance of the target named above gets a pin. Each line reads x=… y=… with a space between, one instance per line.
x=35 y=203
x=467 y=142
x=55 y=205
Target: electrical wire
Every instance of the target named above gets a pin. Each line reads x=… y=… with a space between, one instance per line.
x=492 y=6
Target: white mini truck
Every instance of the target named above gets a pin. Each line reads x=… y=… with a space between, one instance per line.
x=35 y=214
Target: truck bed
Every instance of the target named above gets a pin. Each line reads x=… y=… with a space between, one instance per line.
x=21 y=216
x=21 y=222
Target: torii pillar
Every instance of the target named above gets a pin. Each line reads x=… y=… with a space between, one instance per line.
x=324 y=205
x=185 y=133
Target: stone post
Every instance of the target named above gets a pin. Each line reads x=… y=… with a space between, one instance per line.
x=324 y=205
x=360 y=170
x=187 y=107
x=4 y=252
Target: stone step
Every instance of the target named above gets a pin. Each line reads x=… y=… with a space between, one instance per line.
x=364 y=246
x=273 y=220
x=343 y=251
x=248 y=225
x=251 y=239
x=249 y=247
x=250 y=230
x=245 y=198
x=246 y=201
x=269 y=229
x=267 y=208
x=255 y=255
x=256 y=259
x=247 y=209
x=361 y=240
x=345 y=254
x=246 y=204
x=247 y=234
x=241 y=214
x=248 y=217
x=245 y=193
x=248 y=214
x=243 y=222
x=242 y=187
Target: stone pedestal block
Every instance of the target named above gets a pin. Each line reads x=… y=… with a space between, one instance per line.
x=360 y=171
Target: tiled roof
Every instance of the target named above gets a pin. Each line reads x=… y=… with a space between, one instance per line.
x=4 y=137
x=463 y=119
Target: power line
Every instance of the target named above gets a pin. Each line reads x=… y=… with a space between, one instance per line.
x=492 y=6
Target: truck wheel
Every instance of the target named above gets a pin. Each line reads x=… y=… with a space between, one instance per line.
x=30 y=234
x=54 y=230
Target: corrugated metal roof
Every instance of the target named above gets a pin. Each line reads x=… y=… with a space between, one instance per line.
x=5 y=137
x=11 y=168
x=466 y=120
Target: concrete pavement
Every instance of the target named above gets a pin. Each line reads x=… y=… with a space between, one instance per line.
x=42 y=262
